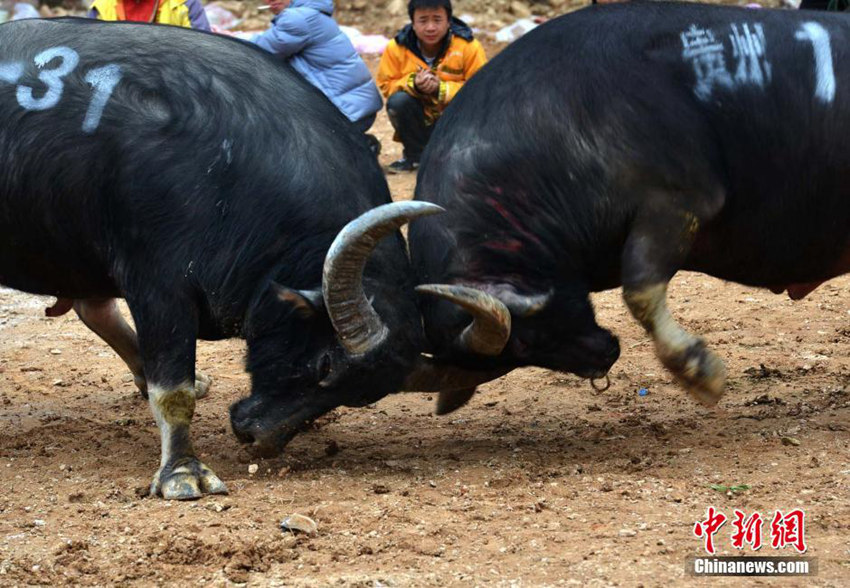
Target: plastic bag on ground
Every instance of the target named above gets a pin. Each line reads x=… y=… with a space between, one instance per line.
x=23 y=10
x=514 y=31
x=365 y=43
x=221 y=18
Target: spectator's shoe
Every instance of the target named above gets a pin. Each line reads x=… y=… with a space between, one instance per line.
x=402 y=165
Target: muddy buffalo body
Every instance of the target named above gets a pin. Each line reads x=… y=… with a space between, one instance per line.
x=618 y=145
x=205 y=183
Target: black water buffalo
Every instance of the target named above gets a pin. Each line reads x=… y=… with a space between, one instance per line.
x=221 y=195
x=616 y=146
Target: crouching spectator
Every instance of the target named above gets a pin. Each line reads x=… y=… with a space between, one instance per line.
x=305 y=33
x=181 y=13
x=422 y=69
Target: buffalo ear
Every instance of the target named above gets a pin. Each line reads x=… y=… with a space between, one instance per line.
x=306 y=303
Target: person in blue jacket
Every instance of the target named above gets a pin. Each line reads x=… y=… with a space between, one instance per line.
x=304 y=32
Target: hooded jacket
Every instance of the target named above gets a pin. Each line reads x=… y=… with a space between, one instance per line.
x=459 y=58
x=310 y=38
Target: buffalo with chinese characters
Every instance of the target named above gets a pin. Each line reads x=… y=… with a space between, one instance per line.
x=646 y=138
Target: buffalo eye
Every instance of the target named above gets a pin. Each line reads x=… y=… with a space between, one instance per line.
x=324 y=367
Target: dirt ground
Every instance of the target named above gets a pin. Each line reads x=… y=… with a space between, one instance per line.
x=539 y=481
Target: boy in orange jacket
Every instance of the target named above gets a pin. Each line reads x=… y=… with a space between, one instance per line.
x=421 y=70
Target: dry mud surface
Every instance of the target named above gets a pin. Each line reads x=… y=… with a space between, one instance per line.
x=539 y=481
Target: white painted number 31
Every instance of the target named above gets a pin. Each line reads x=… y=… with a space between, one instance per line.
x=102 y=80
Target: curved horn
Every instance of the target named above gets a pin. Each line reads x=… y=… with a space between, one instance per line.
x=524 y=305
x=358 y=326
x=491 y=326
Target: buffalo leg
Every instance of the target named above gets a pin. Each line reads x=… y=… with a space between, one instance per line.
x=449 y=401
x=167 y=345
x=656 y=248
x=103 y=318
x=181 y=475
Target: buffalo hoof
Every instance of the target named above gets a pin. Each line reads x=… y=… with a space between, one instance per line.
x=450 y=401
x=202 y=384
x=701 y=372
x=186 y=479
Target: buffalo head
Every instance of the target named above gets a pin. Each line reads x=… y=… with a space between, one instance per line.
x=350 y=343
x=558 y=332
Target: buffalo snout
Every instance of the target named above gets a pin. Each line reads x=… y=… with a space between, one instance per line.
x=601 y=350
